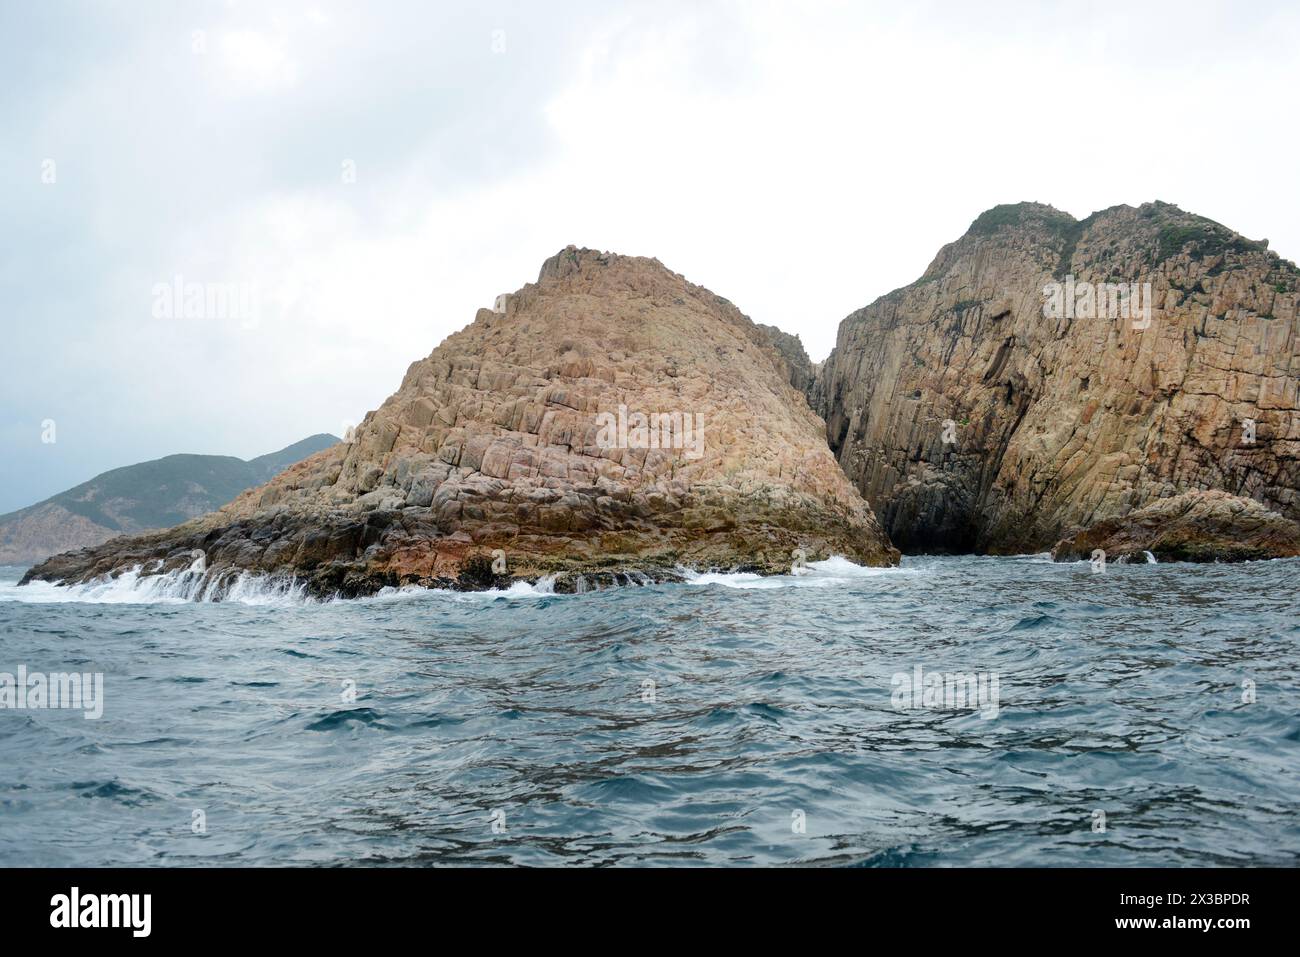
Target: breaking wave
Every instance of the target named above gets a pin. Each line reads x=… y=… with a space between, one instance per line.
x=195 y=584
x=676 y=724
x=834 y=571
x=179 y=587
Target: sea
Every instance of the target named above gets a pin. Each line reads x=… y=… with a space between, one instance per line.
x=953 y=711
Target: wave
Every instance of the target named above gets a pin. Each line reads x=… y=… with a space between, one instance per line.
x=179 y=587
x=196 y=584
x=832 y=572
x=544 y=587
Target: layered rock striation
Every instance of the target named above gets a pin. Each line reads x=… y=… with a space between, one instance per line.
x=610 y=421
x=1193 y=527
x=1135 y=371
x=800 y=370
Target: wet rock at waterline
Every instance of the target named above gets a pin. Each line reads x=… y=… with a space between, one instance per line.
x=1193 y=527
x=613 y=423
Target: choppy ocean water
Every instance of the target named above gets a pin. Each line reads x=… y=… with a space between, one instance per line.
x=729 y=721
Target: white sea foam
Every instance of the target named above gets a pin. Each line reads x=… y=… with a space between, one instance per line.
x=544 y=587
x=171 y=588
x=195 y=584
x=832 y=572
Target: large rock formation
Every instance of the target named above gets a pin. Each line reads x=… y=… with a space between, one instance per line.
x=1193 y=527
x=138 y=498
x=983 y=409
x=800 y=370
x=516 y=449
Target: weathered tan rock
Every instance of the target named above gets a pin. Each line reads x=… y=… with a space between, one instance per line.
x=1057 y=423
x=800 y=370
x=496 y=441
x=1192 y=527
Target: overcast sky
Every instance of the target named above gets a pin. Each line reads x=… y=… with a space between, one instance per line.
x=799 y=159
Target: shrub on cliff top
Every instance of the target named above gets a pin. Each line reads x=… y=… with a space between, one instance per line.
x=1013 y=214
x=1206 y=239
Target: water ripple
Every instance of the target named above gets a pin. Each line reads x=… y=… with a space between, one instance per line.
x=728 y=720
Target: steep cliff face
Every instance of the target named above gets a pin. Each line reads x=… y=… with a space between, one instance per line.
x=983 y=408
x=611 y=419
x=800 y=370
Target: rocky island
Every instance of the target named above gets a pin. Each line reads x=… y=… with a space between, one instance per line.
x=1126 y=382
x=611 y=422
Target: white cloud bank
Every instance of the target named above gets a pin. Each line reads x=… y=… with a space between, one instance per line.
x=799 y=159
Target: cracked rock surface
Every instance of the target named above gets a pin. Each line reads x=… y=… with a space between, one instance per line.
x=1192 y=527
x=488 y=463
x=1056 y=424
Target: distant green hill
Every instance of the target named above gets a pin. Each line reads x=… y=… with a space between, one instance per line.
x=156 y=494
x=273 y=463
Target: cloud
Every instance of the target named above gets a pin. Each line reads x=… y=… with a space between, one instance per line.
x=380 y=171
x=255 y=62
